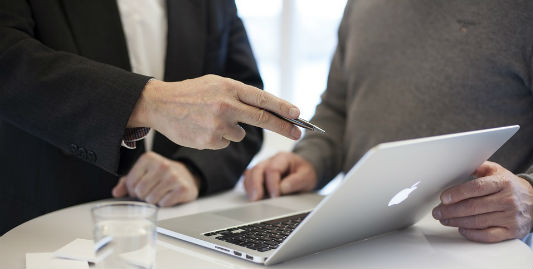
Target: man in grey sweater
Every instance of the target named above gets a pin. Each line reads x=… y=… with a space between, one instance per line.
x=409 y=69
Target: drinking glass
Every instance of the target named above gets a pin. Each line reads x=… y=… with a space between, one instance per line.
x=124 y=234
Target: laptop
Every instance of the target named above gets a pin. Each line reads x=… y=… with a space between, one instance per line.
x=391 y=187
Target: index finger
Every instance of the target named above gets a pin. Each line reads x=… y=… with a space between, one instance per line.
x=474 y=188
x=253 y=182
x=276 y=167
x=261 y=99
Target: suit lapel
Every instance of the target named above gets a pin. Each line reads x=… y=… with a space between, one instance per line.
x=186 y=39
x=98 y=32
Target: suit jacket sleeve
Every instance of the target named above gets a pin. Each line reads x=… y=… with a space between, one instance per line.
x=221 y=169
x=65 y=99
x=325 y=151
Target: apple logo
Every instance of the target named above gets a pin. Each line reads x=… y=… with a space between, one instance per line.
x=403 y=194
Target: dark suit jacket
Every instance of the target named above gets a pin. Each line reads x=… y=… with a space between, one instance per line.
x=66 y=95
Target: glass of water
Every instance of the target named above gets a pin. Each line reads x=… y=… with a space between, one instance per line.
x=124 y=234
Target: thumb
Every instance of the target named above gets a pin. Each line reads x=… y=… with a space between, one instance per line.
x=120 y=189
x=296 y=182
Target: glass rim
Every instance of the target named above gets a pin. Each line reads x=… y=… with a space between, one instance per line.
x=123 y=203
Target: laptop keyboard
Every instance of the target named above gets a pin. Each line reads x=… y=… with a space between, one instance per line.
x=261 y=236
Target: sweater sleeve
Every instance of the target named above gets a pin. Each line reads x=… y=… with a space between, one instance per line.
x=325 y=151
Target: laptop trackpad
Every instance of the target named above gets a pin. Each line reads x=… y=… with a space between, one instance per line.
x=254 y=212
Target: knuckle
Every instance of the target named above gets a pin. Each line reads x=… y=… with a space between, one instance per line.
x=284 y=126
x=130 y=185
x=271 y=170
x=226 y=83
x=284 y=108
x=139 y=191
x=262 y=116
x=505 y=182
x=222 y=107
x=164 y=166
x=210 y=76
x=285 y=156
x=477 y=185
x=177 y=190
x=477 y=222
x=511 y=203
x=170 y=179
x=470 y=206
x=514 y=224
x=262 y=99
x=150 y=199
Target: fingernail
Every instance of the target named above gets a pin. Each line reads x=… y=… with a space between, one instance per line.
x=295 y=133
x=446 y=199
x=436 y=214
x=294 y=112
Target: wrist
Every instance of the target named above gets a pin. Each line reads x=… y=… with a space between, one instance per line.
x=141 y=114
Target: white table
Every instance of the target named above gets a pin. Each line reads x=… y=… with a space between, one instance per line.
x=425 y=245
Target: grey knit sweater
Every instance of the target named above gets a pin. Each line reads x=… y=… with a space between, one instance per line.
x=410 y=68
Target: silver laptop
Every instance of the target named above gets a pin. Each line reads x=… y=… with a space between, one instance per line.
x=391 y=187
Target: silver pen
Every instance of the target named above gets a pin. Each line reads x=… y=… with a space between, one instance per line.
x=301 y=123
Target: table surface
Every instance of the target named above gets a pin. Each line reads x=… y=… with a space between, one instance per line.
x=427 y=244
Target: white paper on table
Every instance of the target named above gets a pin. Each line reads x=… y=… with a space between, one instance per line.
x=79 y=249
x=47 y=260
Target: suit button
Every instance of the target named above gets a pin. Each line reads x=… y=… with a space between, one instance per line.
x=74 y=149
x=82 y=153
x=91 y=156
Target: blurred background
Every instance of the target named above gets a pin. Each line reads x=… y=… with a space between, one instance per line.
x=293 y=42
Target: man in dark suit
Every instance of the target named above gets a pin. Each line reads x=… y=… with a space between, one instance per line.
x=68 y=97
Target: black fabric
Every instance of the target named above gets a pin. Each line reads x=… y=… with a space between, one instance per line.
x=66 y=94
